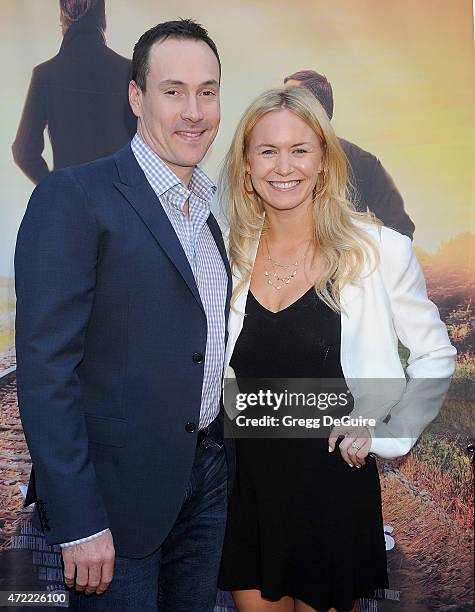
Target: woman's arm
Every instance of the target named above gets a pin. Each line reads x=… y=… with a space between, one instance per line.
x=29 y=141
x=431 y=360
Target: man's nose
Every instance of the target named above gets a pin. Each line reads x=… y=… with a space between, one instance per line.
x=192 y=110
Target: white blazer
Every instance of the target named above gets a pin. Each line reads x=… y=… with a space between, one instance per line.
x=388 y=303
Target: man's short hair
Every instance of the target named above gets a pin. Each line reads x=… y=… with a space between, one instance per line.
x=181 y=29
x=318 y=84
x=72 y=11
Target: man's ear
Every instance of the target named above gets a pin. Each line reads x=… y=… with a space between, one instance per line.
x=135 y=98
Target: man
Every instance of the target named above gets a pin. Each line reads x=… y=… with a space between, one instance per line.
x=373 y=186
x=123 y=293
x=80 y=95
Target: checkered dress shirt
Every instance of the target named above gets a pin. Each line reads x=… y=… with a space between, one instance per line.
x=203 y=256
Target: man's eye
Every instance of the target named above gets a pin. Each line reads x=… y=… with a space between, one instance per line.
x=171 y=92
x=208 y=92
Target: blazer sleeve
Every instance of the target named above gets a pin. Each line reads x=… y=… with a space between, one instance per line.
x=431 y=361
x=55 y=276
x=29 y=141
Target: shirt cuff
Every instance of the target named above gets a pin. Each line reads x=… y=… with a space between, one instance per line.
x=82 y=540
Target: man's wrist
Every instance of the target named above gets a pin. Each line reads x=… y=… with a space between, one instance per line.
x=83 y=540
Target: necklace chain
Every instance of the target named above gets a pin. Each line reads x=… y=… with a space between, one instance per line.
x=278 y=279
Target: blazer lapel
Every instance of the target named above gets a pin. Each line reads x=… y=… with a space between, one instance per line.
x=136 y=189
x=236 y=317
x=218 y=238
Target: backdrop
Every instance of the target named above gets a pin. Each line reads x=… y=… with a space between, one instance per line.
x=404 y=88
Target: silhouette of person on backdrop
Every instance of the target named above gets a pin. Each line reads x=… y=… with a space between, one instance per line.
x=80 y=95
x=374 y=187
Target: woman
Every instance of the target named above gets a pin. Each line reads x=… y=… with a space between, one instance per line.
x=80 y=95
x=326 y=292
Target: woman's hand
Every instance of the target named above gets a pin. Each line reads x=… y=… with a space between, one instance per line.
x=354 y=447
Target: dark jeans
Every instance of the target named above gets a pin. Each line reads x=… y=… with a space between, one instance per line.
x=181 y=576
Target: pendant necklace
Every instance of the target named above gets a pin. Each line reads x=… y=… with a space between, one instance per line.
x=276 y=278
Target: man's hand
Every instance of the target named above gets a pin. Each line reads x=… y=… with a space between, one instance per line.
x=90 y=565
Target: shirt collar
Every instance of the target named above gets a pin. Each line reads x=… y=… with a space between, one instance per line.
x=164 y=179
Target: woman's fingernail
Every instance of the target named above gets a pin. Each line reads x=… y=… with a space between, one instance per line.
x=330 y=449
x=350 y=464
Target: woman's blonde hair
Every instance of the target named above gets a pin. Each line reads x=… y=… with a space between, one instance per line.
x=342 y=244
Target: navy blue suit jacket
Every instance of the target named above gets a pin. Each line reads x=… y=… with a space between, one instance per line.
x=108 y=320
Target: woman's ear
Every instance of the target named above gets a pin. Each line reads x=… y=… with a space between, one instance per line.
x=323 y=147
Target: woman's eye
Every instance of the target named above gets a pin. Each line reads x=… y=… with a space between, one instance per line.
x=299 y=151
x=268 y=152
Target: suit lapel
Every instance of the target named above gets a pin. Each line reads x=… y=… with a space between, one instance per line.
x=135 y=188
x=218 y=238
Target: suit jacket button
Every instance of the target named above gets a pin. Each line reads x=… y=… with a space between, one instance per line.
x=190 y=427
x=197 y=357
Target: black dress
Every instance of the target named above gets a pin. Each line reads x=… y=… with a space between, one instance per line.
x=301 y=522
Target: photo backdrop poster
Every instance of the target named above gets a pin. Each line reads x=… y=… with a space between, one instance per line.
x=403 y=82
